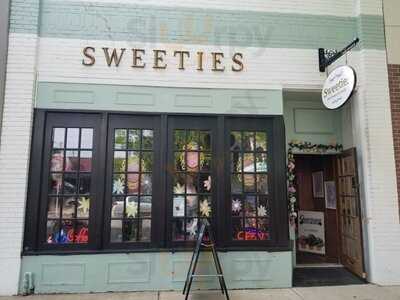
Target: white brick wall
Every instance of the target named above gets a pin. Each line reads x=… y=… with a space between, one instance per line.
x=14 y=155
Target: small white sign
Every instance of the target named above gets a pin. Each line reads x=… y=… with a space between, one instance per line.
x=339 y=87
x=311 y=232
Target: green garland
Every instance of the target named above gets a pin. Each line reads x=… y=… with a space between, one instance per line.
x=302 y=147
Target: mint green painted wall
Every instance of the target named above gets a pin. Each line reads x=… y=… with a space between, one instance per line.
x=180 y=25
x=153 y=271
x=158 y=99
x=310 y=121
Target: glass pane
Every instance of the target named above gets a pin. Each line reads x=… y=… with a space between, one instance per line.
x=86 y=161
x=67 y=232
x=58 y=137
x=179 y=138
x=250 y=229
x=261 y=162
x=191 y=228
x=249 y=183
x=52 y=232
x=120 y=139
x=250 y=206
x=261 y=141
x=70 y=183
x=134 y=139
x=237 y=206
x=119 y=184
x=82 y=232
x=132 y=207
x=236 y=184
x=129 y=230
x=192 y=160
x=205 y=183
x=205 y=161
x=236 y=162
x=119 y=161
x=205 y=141
x=73 y=138
x=56 y=183
x=237 y=229
x=236 y=141
x=178 y=206
x=179 y=183
x=191 y=206
x=192 y=183
x=145 y=230
x=248 y=162
x=53 y=207
x=83 y=207
x=262 y=183
x=145 y=207
x=133 y=183
x=248 y=141
x=145 y=184
x=84 y=184
x=263 y=231
x=68 y=211
x=71 y=161
x=192 y=140
x=147 y=161
x=205 y=207
x=178 y=230
x=116 y=231
x=86 y=138
x=117 y=209
x=57 y=161
x=180 y=164
x=133 y=161
x=147 y=139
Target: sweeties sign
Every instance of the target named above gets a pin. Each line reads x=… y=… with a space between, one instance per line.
x=339 y=87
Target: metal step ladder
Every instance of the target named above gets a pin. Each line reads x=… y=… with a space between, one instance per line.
x=200 y=244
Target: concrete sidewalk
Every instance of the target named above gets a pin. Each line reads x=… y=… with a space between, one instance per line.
x=353 y=292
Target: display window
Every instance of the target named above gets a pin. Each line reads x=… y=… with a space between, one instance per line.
x=113 y=181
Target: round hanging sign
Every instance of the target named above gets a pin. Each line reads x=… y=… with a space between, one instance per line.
x=339 y=87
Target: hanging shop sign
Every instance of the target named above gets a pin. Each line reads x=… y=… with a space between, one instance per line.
x=339 y=87
x=311 y=232
x=139 y=58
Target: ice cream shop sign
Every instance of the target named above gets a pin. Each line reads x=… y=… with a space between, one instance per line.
x=140 y=58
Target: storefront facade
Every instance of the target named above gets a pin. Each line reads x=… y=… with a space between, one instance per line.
x=125 y=124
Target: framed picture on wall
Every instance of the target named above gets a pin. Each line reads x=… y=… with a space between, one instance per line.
x=318 y=184
x=330 y=194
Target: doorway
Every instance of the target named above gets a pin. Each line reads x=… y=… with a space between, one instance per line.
x=328 y=234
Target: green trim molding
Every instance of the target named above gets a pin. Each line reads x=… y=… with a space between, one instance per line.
x=201 y=26
x=151 y=271
x=158 y=99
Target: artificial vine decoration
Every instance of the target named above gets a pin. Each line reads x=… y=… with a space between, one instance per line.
x=303 y=147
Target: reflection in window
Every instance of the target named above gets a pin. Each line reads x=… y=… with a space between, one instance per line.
x=192 y=182
x=132 y=185
x=249 y=185
x=69 y=194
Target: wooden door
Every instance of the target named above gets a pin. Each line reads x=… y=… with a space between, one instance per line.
x=351 y=253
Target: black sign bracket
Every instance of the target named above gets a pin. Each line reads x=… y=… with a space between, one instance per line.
x=325 y=61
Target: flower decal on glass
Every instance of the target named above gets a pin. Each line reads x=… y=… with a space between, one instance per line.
x=84 y=205
x=131 y=209
x=261 y=211
x=179 y=189
x=236 y=206
x=118 y=186
x=207 y=184
x=205 y=209
x=191 y=228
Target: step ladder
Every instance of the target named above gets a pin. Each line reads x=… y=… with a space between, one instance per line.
x=201 y=244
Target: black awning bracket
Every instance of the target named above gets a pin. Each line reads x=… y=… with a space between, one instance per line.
x=328 y=57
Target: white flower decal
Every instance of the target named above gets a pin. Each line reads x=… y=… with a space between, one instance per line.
x=179 y=189
x=207 y=184
x=205 y=209
x=236 y=206
x=118 y=186
x=131 y=209
x=261 y=211
x=84 y=205
x=191 y=228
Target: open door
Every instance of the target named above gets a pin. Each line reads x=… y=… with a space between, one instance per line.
x=349 y=213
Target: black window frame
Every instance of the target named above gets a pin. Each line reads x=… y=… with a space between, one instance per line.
x=162 y=209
